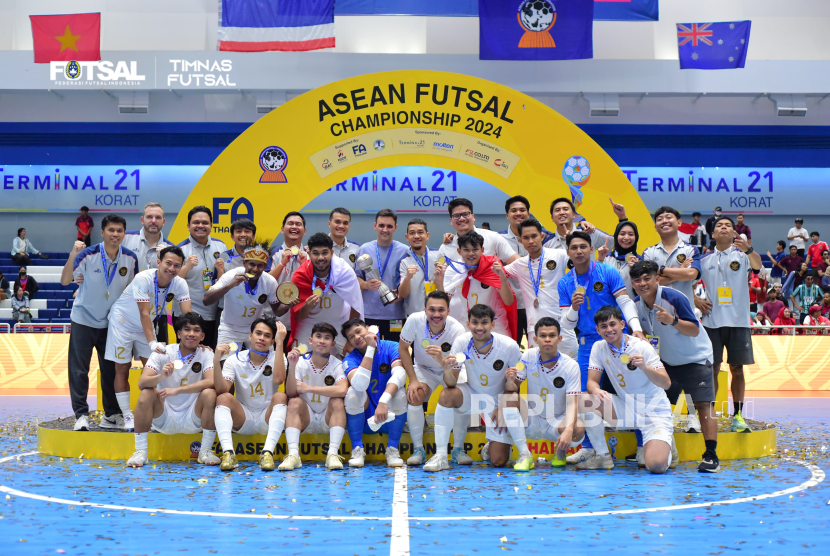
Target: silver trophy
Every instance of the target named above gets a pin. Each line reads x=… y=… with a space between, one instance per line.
x=364 y=263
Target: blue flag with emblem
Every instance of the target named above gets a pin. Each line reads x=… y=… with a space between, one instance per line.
x=713 y=45
x=626 y=10
x=535 y=29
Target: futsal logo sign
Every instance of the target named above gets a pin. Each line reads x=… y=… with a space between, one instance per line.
x=104 y=72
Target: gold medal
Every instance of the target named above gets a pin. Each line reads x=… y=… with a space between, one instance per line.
x=426 y=343
x=287 y=292
x=630 y=257
x=442 y=260
x=580 y=289
x=234 y=346
x=303 y=349
x=295 y=250
x=624 y=358
x=520 y=366
x=318 y=292
x=178 y=365
x=460 y=358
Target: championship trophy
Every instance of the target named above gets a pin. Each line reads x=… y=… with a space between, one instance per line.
x=364 y=263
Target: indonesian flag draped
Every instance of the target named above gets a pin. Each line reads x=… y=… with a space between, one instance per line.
x=262 y=25
x=685 y=230
x=66 y=37
x=343 y=282
x=484 y=274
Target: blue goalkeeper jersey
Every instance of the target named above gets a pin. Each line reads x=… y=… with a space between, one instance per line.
x=385 y=354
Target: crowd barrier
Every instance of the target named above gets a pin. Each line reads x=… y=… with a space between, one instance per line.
x=790 y=330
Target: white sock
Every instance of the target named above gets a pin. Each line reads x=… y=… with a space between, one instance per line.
x=516 y=428
x=596 y=434
x=123 y=402
x=415 y=419
x=292 y=438
x=335 y=437
x=275 y=426
x=141 y=441
x=207 y=439
x=443 y=423
x=459 y=429
x=224 y=427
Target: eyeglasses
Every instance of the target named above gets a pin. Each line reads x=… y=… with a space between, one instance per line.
x=460 y=215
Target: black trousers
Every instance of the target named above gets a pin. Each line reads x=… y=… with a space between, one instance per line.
x=522 y=327
x=21 y=259
x=82 y=339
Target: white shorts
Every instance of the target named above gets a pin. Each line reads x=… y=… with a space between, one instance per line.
x=655 y=422
x=227 y=336
x=178 y=421
x=429 y=378
x=254 y=422
x=541 y=428
x=486 y=409
x=317 y=423
x=123 y=345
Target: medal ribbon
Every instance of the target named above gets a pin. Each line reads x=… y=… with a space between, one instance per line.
x=248 y=289
x=314 y=283
x=429 y=336
x=619 y=352
x=423 y=266
x=186 y=360
x=382 y=269
x=156 y=287
x=536 y=282
x=590 y=277
x=108 y=276
x=471 y=349
x=553 y=360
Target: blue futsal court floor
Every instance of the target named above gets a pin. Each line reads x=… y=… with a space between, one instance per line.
x=52 y=505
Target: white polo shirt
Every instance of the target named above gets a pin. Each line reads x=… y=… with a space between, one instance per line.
x=598 y=239
x=675 y=348
x=414 y=332
x=207 y=255
x=802 y=235
x=147 y=256
x=681 y=252
x=621 y=265
x=125 y=314
x=728 y=268
x=348 y=252
x=92 y=304
x=416 y=299
x=243 y=307
x=494 y=244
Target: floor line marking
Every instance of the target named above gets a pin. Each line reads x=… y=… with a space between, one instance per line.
x=399 y=545
x=817 y=476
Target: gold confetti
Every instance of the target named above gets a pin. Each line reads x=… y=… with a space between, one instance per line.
x=293 y=500
x=424 y=495
x=503 y=539
x=529 y=487
x=253 y=511
x=8 y=497
x=199 y=481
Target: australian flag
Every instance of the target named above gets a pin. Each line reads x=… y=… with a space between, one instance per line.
x=536 y=29
x=713 y=45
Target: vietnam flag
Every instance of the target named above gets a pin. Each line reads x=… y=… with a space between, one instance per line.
x=65 y=37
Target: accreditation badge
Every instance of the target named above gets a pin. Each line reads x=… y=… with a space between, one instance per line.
x=655 y=342
x=395 y=325
x=429 y=287
x=207 y=278
x=724 y=296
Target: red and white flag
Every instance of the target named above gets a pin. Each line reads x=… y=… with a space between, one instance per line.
x=290 y=25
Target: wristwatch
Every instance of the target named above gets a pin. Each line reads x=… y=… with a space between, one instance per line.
x=662 y=268
x=676 y=320
x=750 y=251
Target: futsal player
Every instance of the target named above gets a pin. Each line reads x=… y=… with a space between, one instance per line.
x=554 y=381
x=685 y=350
x=563 y=212
x=679 y=262
x=416 y=270
x=376 y=393
x=537 y=273
x=480 y=279
x=487 y=356
x=315 y=385
x=726 y=317
x=640 y=381
x=116 y=267
x=427 y=338
x=177 y=395
x=257 y=408
x=340 y=222
x=134 y=318
x=582 y=292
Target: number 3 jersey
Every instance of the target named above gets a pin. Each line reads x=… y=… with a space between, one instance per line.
x=331 y=374
x=243 y=306
x=193 y=370
x=628 y=380
x=551 y=385
x=485 y=373
x=254 y=383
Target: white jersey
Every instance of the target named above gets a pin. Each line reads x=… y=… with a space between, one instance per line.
x=124 y=313
x=485 y=373
x=486 y=295
x=331 y=374
x=598 y=238
x=254 y=383
x=628 y=380
x=414 y=332
x=242 y=307
x=193 y=370
x=554 y=267
x=330 y=309
x=286 y=275
x=552 y=385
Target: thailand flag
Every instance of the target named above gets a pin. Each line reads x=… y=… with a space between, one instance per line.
x=262 y=25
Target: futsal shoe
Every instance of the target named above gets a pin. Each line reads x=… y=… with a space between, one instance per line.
x=393 y=457
x=739 y=425
x=710 y=463
x=82 y=423
x=556 y=461
x=460 y=457
x=266 y=461
x=596 y=461
x=485 y=452
x=418 y=457
x=334 y=462
x=437 y=463
x=582 y=455
x=129 y=422
x=113 y=422
x=229 y=462
x=693 y=424
x=138 y=459
x=207 y=457
x=358 y=458
x=291 y=462
x=675 y=456
x=525 y=463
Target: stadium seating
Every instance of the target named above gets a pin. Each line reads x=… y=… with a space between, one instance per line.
x=53 y=303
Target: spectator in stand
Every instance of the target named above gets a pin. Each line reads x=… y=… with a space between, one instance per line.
x=784 y=319
x=761 y=321
x=825 y=305
x=815 y=250
x=791 y=262
x=84 y=225
x=757 y=291
x=800 y=275
x=778 y=271
x=20 y=306
x=698 y=238
x=742 y=228
x=28 y=283
x=22 y=248
x=4 y=287
x=798 y=237
x=814 y=318
x=821 y=270
x=773 y=305
x=710 y=226
x=804 y=296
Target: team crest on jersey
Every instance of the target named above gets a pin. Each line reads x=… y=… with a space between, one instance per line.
x=216 y=254
x=631 y=366
x=122 y=271
x=681 y=258
x=446 y=347
x=352 y=257
x=735 y=265
x=197 y=367
x=267 y=370
x=262 y=298
x=597 y=287
x=498 y=364
x=384 y=368
x=559 y=382
x=169 y=297
x=329 y=380
x=551 y=265
x=570 y=264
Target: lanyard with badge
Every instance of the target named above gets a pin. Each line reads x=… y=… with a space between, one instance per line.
x=109 y=274
x=429 y=286
x=724 y=292
x=382 y=269
x=207 y=273
x=653 y=339
x=156 y=306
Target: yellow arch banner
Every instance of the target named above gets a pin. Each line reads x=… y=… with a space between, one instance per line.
x=411 y=118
